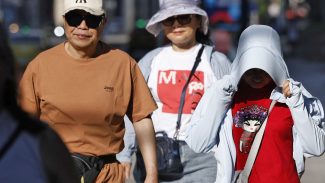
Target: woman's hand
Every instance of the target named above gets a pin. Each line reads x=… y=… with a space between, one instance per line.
x=286 y=89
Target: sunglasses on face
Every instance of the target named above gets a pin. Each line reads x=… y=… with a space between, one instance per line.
x=181 y=19
x=74 y=19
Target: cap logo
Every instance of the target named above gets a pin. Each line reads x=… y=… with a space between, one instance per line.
x=94 y=7
x=81 y=1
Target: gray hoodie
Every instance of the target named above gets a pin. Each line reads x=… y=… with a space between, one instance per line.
x=211 y=124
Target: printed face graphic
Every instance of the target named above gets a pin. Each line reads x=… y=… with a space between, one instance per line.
x=249 y=118
x=251 y=125
x=247 y=138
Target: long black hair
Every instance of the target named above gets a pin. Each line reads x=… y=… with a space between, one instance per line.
x=201 y=37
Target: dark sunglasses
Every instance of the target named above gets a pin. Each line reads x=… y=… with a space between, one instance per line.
x=74 y=19
x=181 y=19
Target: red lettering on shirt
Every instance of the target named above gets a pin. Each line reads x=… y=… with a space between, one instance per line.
x=170 y=85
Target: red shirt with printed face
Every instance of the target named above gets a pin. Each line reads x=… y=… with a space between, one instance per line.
x=274 y=160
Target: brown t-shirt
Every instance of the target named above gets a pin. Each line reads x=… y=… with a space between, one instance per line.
x=85 y=100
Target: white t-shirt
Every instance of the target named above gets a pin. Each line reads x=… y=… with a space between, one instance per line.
x=169 y=73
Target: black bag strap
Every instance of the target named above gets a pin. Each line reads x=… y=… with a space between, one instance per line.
x=182 y=101
x=92 y=165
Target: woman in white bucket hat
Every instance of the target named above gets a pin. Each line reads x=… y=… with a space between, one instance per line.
x=170 y=8
x=166 y=70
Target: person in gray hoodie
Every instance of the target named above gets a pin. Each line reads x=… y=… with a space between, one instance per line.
x=258 y=91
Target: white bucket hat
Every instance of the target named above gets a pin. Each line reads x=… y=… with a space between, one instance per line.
x=94 y=7
x=168 y=8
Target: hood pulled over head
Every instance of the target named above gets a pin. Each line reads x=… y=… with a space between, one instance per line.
x=259 y=47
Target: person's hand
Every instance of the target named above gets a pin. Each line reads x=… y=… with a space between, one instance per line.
x=286 y=89
x=292 y=91
x=127 y=169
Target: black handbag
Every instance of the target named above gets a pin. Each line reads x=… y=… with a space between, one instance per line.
x=168 y=156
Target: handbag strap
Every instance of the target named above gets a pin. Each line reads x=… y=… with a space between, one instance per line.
x=182 y=101
x=243 y=177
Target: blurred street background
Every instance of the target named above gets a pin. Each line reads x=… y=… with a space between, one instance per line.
x=35 y=25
